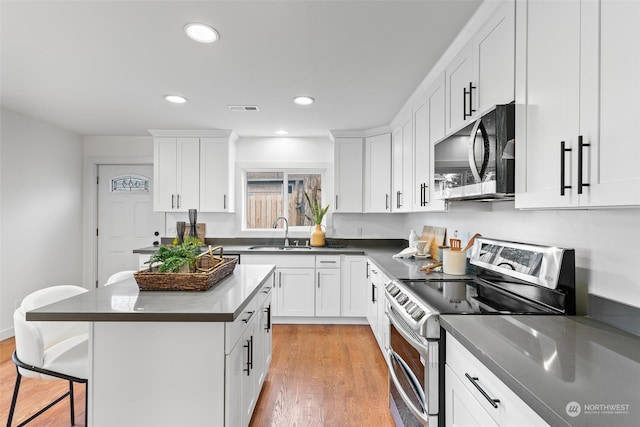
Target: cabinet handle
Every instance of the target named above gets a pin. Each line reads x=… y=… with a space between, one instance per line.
x=373 y=293
x=367 y=273
x=474 y=381
x=251 y=352
x=318 y=280
x=173 y=201
x=581 y=146
x=268 y=311
x=386 y=206
x=224 y=201
x=327 y=262
x=279 y=279
x=250 y=313
x=563 y=150
x=247 y=369
x=464 y=103
x=336 y=202
x=178 y=201
x=398 y=199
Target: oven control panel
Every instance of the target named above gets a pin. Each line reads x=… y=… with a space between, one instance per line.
x=402 y=299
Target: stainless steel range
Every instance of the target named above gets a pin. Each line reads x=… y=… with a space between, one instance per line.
x=510 y=278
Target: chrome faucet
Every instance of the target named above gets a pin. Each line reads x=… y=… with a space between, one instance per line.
x=286 y=229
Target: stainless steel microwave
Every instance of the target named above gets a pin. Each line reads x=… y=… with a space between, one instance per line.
x=477 y=162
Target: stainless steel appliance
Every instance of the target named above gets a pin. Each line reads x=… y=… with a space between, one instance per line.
x=477 y=162
x=510 y=278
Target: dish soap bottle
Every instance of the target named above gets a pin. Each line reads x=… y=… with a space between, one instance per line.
x=413 y=239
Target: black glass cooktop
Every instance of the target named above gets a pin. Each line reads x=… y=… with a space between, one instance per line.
x=472 y=297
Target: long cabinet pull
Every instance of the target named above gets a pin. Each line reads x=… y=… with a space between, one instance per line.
x=398 y=204
x=474 y=381
x=373 y=293
x=581 y=182
x=178 y=201
x=268 y=311
x=173 y=201
x=386 y=206
x=318 y=280
x=336 y=202
x=224 y=201
x=279 y=279
x=464 y=101
x=247 y=369
x=250 y=313
x=563 y=151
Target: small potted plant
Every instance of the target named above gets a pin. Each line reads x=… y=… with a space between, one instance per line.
x=318 y=213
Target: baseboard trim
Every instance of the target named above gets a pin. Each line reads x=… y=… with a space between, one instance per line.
x=319 y=320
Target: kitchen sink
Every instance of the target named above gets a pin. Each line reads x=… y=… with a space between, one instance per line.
x=278 y=248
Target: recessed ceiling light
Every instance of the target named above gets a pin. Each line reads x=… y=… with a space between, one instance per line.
x=201 y=32
x=303 y=100
x=282 y=132
x=176 y=99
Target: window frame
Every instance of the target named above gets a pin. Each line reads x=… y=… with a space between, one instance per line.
x=287 y=170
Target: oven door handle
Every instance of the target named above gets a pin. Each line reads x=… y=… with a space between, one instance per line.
x=422 y=349
x=417 y=412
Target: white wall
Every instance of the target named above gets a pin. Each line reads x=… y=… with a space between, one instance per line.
x=604 y=240
x=40 y=210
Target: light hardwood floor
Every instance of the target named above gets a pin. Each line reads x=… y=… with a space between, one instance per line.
x=320 y=375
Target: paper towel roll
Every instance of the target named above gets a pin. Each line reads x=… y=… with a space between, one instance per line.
x=454 y=262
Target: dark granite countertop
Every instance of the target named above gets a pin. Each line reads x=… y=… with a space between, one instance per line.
x=553 y=361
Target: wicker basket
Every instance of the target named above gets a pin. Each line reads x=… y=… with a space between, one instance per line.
x=211 y=269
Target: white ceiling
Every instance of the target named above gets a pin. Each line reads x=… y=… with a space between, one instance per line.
x=103 y=67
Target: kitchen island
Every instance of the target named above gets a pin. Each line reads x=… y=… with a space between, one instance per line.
x=174 y=358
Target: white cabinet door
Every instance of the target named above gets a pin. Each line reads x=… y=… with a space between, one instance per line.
x=494 y=59
x=611 y=163
x=459 y=75
x=241 y=390
x=348 y=183
x=216 y=175
x=372 y=306
x=461 y=408
x=328 y=292
x=296 y=292
x=402 y=170
x=377 y=184
x=421 y=156
x=176 y=171
x=548 y=102
x=354 y=286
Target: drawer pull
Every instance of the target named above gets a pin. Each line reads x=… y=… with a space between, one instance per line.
x=474 y=381
x=250 y=313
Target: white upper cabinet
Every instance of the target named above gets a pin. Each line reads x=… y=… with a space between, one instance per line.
x=176 y=174
x=428 y=128
x=460 y=88
x=348 y=175
x=548 y=103
x=494 y=59
x=610 y=163
x=402 y=166
x=482 y=73
x=217 y=175
x=574 y=130
x=377 y=183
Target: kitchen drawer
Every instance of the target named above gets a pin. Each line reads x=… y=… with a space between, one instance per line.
x=511 y=410
x=235 y=329
x=282 y=261
x=266 y=290
x=377 y=276
x=327 y=261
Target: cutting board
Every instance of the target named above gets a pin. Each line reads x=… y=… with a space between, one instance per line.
x=436 y=235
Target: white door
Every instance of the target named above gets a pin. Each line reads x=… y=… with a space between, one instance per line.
x=126 y=220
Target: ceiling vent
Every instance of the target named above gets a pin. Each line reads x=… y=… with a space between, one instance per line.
x=244 y=108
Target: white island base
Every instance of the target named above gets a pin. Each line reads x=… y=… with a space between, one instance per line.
x=157 y=374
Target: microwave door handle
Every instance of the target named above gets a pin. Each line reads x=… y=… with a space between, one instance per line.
x=478 y=174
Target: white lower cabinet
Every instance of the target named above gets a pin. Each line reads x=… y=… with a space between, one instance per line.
x=475 y=396
x=376 y=315
x=305 y=285
x=295 y=294
x=354 y=286
x=247 y=359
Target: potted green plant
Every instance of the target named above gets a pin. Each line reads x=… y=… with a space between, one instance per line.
x=318 y=213
x=177 y=258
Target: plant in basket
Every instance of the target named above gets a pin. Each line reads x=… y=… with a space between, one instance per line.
x=176 y=259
